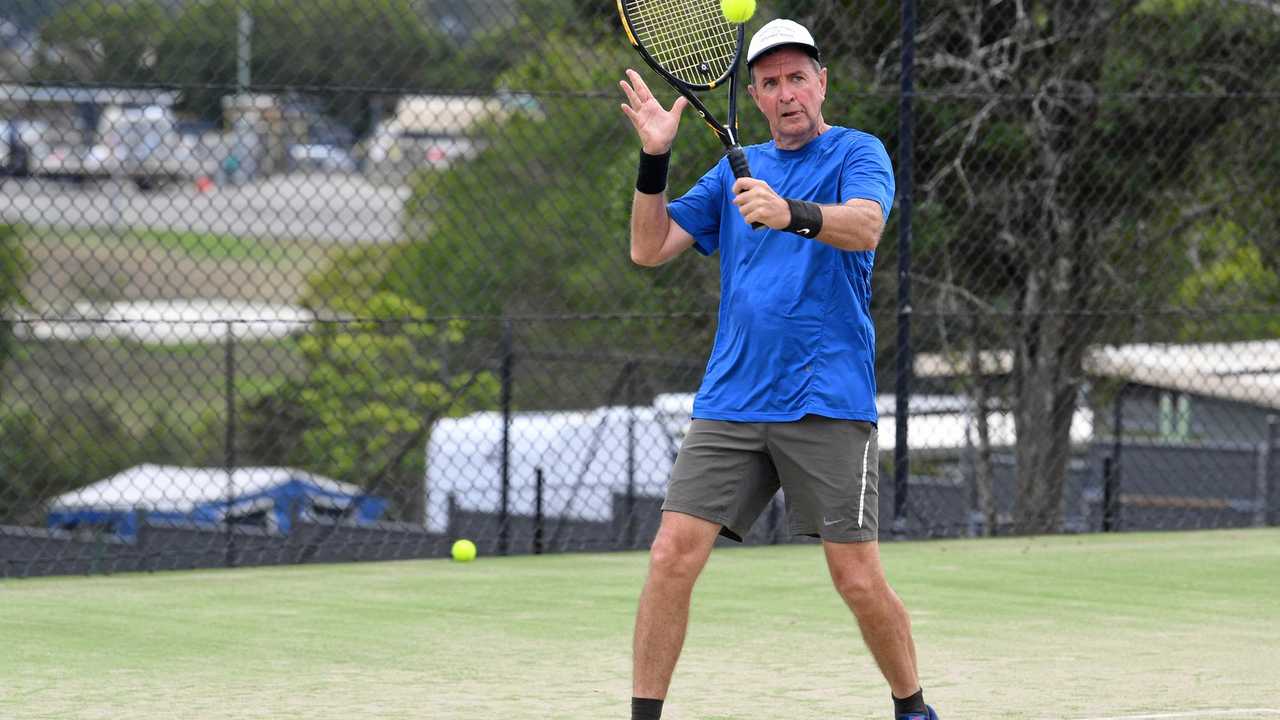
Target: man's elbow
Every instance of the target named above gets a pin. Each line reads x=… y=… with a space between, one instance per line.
x=644 y=259
x=868 y=236
x=872 y=240
x=862 y=225
x=857 y=241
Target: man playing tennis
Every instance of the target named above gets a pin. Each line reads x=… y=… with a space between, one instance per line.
x=789 y=395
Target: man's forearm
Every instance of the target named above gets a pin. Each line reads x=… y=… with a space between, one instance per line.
x=852 y=227
x=650 y=224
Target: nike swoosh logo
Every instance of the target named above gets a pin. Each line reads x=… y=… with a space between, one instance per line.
x=829 y=522
x=802 y=231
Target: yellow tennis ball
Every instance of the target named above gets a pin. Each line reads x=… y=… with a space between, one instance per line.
x=738 y=11
x=464 y=551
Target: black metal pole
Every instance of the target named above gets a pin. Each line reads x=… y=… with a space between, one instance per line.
x=1111 y=474
x=229 y=452
x=503 y=513
x=630 y=395
x=1271 y=498
x=902 y=390
x=537 y=511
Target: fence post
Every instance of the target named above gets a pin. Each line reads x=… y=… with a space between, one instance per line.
x=902 y=389
x=537 y=511
x=229 y=451
x=629 y=525
x=508 y=361
x=1111 y=471
x=142 y=540
x=1267 y=496
x=969 y=472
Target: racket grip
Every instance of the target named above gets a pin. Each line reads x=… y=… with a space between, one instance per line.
x=738 y=161
x=741 y=169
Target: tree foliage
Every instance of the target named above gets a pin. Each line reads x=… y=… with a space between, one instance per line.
x=102 y=42
x=1072 y=159
x=371 y=391
x=13 y=272
x=348 y=53
x=1051 y=135
x=343 y=51
x=51 y=450
x=537 y=223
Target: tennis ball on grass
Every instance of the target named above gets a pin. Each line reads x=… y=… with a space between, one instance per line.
x=464 y=551
x=738 y=11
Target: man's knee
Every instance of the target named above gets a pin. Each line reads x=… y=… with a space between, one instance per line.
x=856 y=586
x=857 y=574
x=679 y=554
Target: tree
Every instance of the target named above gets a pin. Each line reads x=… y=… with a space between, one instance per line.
x=344 y=51
x=92 y=41
x=54 y=449
x=372 y=390
x=537 y=225
x=13 y=272
x=1223 y=220
x=1052 y=133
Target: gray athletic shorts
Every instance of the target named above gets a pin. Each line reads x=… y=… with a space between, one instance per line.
x=728 y=472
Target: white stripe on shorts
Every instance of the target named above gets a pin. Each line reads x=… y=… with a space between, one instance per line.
x=862 y=494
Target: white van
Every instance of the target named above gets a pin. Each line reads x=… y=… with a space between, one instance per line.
x=585 y=458
x=143 y=144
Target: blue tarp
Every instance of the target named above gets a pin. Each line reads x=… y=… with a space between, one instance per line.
x=206 y=497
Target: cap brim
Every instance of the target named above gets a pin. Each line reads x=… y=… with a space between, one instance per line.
x=811 y=50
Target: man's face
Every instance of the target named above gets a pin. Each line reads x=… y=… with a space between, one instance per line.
x=789 y=90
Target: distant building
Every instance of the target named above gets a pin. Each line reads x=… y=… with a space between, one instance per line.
x=433 y=131
x=75 y=109
x=1188 y=392
x=85 y=132
x=1176 y=435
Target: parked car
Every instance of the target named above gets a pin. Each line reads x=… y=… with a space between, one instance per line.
x=143 y=144
x=22 y=143
x=320 y=158
x=63 y=161
x=326 y=144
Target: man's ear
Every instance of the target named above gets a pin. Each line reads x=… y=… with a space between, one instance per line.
x=751 y=90
x=822 y=81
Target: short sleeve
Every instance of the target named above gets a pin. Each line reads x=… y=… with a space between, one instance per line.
x=868 y=174
x=698 y=210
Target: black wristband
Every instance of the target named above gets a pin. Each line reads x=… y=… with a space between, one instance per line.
x=652 y=178
x=806 y=218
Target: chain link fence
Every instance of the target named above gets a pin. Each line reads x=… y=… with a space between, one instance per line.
x=287 y=281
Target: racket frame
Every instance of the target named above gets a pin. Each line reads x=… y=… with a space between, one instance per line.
x=727 y=133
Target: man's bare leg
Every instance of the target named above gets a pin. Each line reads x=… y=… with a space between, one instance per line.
x=886 y=626
x=678 y=554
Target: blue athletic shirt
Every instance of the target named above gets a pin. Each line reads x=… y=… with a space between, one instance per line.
x=795 y=335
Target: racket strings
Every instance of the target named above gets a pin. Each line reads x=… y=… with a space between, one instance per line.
x=691 y=39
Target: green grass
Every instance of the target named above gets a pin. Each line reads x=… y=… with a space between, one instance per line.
x=223 y=247
x=196 y=246
x=105 y=265
x=1034 y=628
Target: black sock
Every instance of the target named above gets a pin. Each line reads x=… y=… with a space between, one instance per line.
x=645 y=709
x=910 y=704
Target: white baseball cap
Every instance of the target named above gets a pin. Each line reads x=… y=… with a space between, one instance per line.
x=780 y=32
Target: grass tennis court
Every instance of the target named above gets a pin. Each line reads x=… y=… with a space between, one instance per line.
x=1183 y=625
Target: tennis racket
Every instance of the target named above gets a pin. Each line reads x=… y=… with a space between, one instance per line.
x=695 y=49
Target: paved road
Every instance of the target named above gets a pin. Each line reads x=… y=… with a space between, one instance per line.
x=332 y=208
